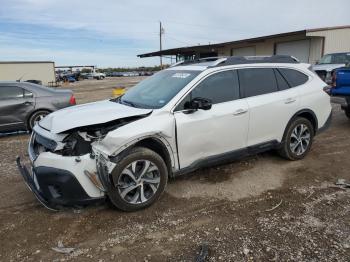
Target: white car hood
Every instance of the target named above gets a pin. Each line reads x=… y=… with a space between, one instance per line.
x=88 y=114
x=327 y=67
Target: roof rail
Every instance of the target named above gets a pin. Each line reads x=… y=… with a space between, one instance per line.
x=236 y=60
x=214 y=59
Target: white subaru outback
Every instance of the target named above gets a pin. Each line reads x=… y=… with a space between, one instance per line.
x=183 y=118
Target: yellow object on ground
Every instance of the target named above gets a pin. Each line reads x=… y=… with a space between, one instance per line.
x=118 y=91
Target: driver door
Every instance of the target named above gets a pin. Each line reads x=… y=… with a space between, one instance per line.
x=222 y=129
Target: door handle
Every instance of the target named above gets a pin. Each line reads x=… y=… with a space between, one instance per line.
x=27 y=103
x=240 y=112
x=290 y=100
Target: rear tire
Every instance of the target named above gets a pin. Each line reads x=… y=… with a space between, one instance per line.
x=138 y=180
x=36 y=117
x=297 y=139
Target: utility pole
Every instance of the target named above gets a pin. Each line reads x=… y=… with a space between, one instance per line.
x=161 y=32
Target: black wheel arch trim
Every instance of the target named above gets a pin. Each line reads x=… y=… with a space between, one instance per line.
x=167 y=151
x=299 y=114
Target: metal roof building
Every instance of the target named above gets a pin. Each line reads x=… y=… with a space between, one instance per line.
x=43 y=71
x=307 y=45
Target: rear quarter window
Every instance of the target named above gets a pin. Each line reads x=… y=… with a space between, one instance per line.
x=293 y=77
x=257 y=81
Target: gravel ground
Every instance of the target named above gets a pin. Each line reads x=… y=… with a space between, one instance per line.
x=262 y=208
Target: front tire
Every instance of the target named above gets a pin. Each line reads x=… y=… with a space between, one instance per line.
x=297 y=139
x=36 y=117
x=138 y=180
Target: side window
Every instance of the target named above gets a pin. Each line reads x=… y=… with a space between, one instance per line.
x=293 y=77
x=220 y=87
x=27 y=93
x=257 y=81
x=10 y=92
x=281 y=82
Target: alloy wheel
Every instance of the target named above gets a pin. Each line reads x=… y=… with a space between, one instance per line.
x=138 y=182
x=38 y=118
x=300 y=139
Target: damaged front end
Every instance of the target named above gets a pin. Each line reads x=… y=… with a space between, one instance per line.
x=65 y=170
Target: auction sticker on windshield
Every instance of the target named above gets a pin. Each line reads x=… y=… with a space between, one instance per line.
x=181 y=75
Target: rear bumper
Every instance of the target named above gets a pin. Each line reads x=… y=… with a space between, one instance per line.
x=327 y=124
x=55 y=188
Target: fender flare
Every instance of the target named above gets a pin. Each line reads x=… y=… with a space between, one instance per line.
x=156 y=136
x=297 y=114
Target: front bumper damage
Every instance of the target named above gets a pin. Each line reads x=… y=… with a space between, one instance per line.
x=55 y=188
x=29 y=181
x=58 y=181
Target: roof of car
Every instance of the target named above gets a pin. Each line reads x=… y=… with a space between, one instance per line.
x=205 y=63
x=239 y=62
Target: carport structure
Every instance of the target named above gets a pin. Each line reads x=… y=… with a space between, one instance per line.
x=307 y=45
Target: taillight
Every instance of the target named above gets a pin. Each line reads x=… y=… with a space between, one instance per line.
x=72 y=100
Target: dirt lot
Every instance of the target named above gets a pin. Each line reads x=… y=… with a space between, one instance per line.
x=229 y=209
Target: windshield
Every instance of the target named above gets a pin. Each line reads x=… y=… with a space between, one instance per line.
x=156 y=91
x=343 y=58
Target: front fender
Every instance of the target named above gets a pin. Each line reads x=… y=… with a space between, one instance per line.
x=112 y=152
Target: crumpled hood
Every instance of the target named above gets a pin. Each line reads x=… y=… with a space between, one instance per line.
x=88 y=114
x=327 y=67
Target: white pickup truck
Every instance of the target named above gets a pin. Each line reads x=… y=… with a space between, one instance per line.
x=98 y=76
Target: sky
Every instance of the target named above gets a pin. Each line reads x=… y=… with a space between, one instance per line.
x=111 y=33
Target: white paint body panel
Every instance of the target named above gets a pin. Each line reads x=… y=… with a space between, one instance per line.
x=269 y=115
x=48 y=159
x=88 y=114
x=211 y=132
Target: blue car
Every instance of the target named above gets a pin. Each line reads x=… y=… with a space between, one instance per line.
x=71 y=79
x=341 y=87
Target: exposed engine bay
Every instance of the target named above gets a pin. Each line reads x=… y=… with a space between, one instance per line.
x=77 y=141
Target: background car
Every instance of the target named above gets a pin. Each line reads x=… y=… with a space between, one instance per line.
x=340 y=89
x=23 y=104
x=328 y=63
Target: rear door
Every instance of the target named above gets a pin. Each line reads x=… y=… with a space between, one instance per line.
x=15 y=104
x=271 y=102
x=220 y=130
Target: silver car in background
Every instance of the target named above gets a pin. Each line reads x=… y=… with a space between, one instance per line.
x=328 y=63
x=23 y=104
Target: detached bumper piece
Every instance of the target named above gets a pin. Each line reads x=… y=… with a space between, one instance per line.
x=55 y=188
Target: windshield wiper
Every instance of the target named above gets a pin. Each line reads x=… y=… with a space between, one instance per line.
x=127 y=103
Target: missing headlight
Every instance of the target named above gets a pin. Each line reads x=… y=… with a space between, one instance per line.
x=76 y=145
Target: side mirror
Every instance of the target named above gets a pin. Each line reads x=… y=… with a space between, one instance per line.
x=317 y=62
x=198 y=103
